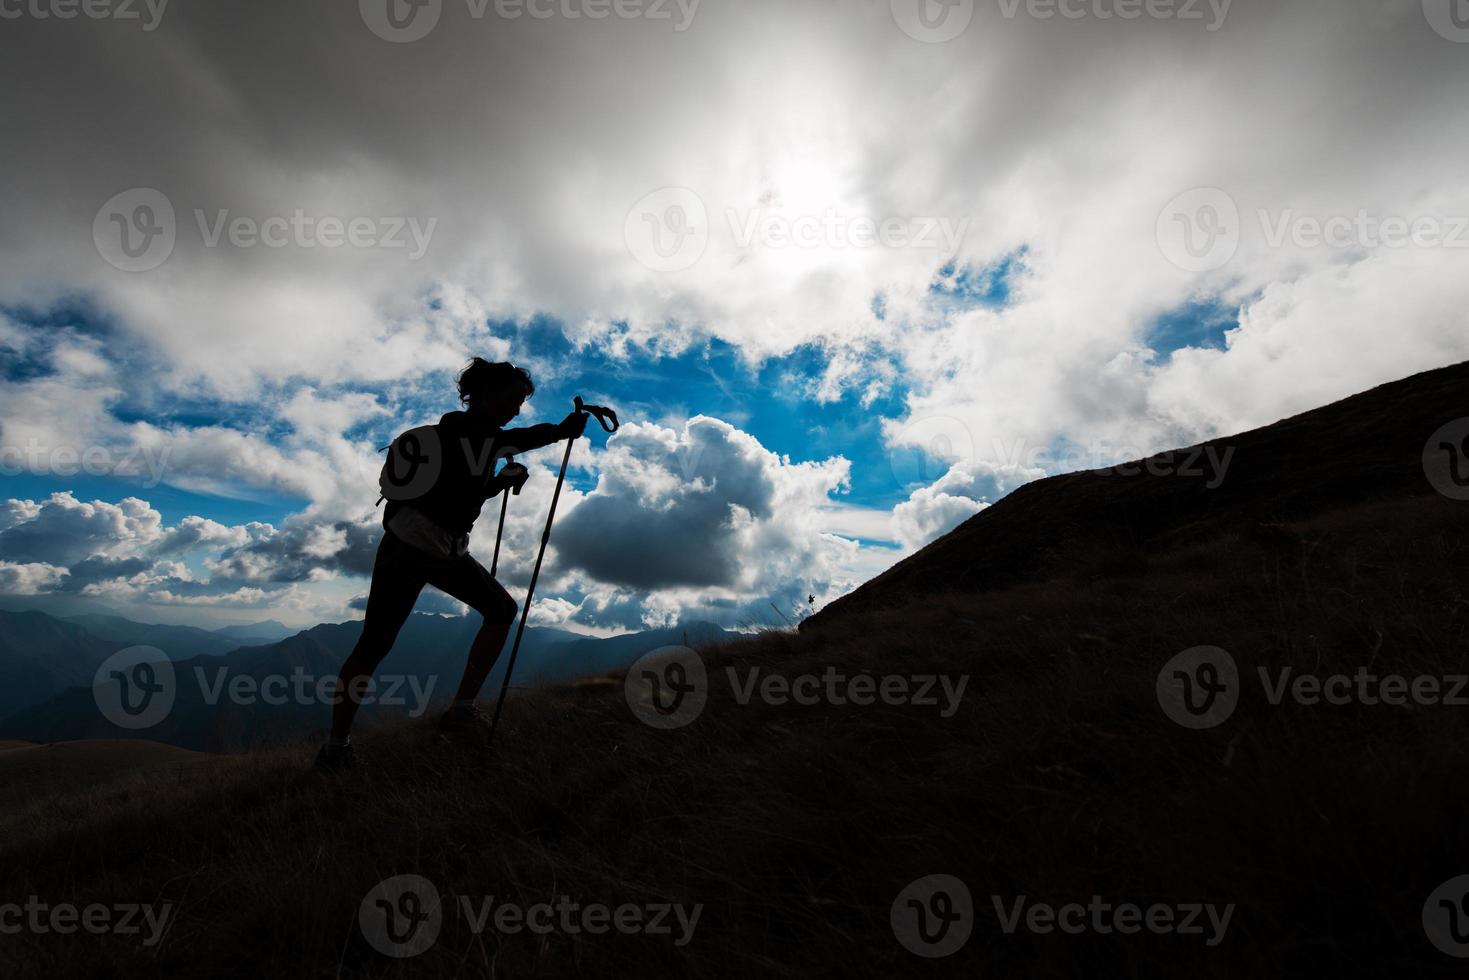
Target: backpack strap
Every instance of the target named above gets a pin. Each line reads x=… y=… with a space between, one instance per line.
x=380 y=497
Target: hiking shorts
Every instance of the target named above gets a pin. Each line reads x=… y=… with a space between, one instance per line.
x=400 y=572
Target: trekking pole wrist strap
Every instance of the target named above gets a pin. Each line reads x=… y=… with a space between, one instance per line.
x=605 y=417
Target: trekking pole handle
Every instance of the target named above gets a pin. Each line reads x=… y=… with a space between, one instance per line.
x=515 y=474
x=603 y=415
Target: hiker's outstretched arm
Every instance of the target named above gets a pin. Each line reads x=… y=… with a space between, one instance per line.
x=531 y=437
x=516 y=441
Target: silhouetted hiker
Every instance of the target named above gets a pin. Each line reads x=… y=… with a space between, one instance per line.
x=447 y=478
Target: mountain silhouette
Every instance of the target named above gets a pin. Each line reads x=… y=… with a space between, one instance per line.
x=1362 y=449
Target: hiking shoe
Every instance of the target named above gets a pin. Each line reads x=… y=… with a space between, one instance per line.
x=460 y=722
x=335 y=758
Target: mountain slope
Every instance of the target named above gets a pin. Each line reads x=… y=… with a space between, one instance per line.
x=1364 y=448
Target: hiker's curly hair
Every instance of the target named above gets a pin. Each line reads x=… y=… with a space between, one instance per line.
x=482 y=376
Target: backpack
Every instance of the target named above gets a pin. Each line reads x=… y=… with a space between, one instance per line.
x=412 y=467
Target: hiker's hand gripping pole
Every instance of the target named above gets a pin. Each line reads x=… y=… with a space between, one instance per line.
x=519 y=474
x=607 y=419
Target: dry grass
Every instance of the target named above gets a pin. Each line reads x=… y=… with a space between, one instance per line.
x=1058 y=778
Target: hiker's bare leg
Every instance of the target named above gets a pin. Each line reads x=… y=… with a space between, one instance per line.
x=390 y=599
x=468 y=582
x=483 y=653
x=352 y=679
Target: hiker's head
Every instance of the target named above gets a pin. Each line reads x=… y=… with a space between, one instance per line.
x=494 y=391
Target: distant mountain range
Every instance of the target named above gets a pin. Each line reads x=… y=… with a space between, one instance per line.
x=41 y=656
x=239 y=689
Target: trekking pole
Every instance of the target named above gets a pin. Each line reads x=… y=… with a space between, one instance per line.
x=504 y=505
x=601 y=415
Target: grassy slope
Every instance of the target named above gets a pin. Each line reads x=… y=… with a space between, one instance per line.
x=27 y=770
x=796 y=826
